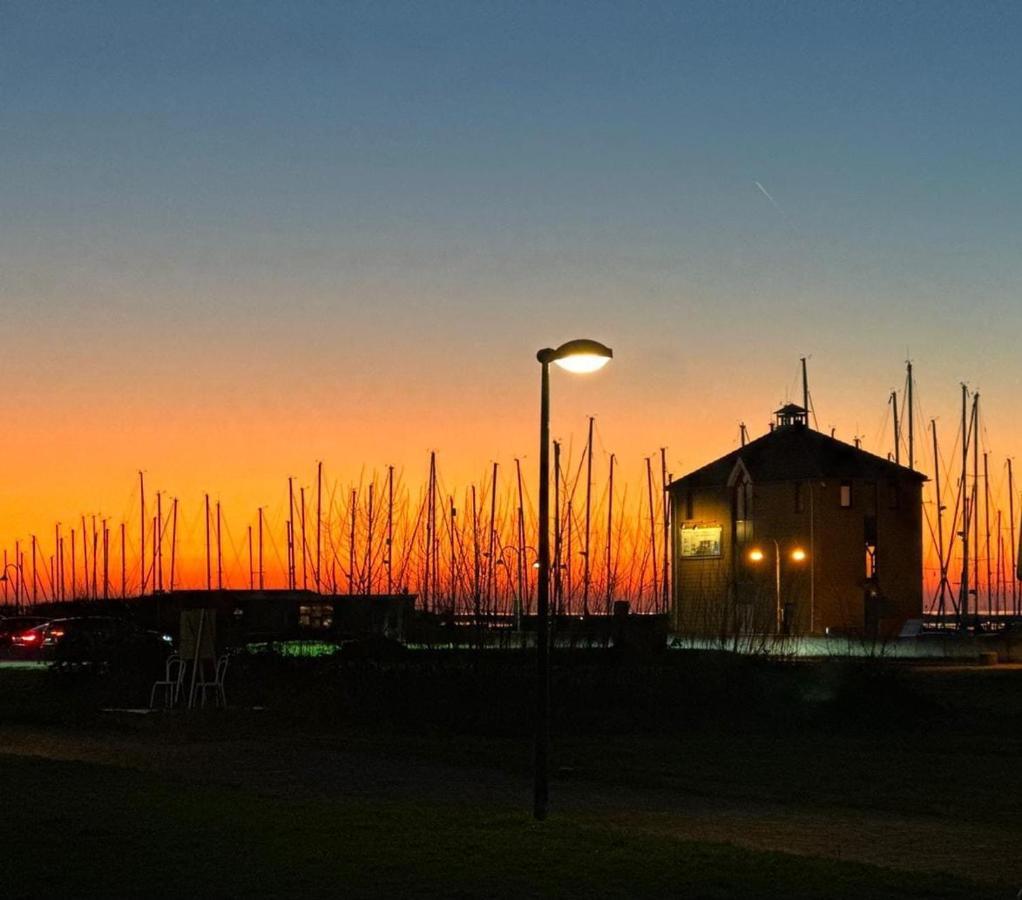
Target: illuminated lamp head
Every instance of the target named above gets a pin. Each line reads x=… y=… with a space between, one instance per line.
x=756 y=555
x=580 y=356
x=798 y=555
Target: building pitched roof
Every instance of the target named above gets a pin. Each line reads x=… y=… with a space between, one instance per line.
x=797 y=453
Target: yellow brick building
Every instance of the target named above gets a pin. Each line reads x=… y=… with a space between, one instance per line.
x=798 y=533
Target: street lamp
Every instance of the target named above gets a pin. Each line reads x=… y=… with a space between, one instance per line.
x=797 y=555
x=19 y=583
x=578 y=356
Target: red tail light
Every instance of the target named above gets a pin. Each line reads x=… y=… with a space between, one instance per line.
x=27 y=637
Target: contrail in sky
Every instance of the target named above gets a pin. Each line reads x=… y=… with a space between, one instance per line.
x=766 y=194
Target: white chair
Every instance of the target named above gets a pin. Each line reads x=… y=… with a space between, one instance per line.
x=216 y=684
x=171 y=683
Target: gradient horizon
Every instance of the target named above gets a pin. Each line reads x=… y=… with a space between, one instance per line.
x=239 y=240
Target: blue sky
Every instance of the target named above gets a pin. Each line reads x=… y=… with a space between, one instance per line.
x=409 y=199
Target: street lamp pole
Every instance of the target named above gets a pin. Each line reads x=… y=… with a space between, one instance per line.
x=575 y=356
x=541 y=787
x=18 y=584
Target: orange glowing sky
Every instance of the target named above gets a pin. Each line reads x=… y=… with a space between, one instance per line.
x=238 y=244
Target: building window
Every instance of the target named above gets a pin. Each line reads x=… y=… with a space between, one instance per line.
x=799 y=499
x=846 y=495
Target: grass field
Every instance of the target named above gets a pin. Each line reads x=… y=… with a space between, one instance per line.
x=77 y=829
x=286 y=802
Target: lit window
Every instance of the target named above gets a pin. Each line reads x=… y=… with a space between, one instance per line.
x=846 y=495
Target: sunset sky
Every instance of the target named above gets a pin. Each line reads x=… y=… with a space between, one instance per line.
x=239 y=238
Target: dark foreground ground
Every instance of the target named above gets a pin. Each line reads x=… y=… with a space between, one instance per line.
x=370 y=779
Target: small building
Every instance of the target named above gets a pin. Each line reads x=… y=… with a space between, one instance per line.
x=797 y=533
x=275 y=615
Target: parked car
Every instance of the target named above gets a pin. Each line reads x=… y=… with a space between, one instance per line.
x=15 y=625
x=95 y=641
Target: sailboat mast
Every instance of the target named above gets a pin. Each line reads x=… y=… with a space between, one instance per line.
x=390 y=529
x=986 y=528
x=305 y=563
x=351 y=543
x=319 y=526
x=652 y=529
x=666 y=553
x=124 y=567
x=106 y=561
x=173 y=545
x=262 y=581
x=141 y=533
x=1014 y=550
x=158 y=539
x=963 y=597
x=491 y=599
x=454 y=560
x=557 y=583
x=520 y=600
x=609 y=603
x=910 y=392
x=940 y=525
x=975 y=502
x=589 y=489
x=897 y=428
x=219 y=552
x=209 y=555
x=476 y=570
x=35 y=581
x=805 y=389
x=291 y=533
x=369 y=542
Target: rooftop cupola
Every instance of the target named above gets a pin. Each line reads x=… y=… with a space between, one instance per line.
x=790 y=414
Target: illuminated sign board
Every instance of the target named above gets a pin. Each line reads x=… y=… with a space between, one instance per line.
x=701 y=541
